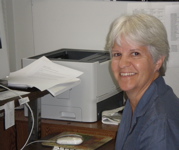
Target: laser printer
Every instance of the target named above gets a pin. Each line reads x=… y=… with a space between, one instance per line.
x=96 y=92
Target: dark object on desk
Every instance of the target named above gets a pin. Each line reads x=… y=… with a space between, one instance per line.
x=4 y=83
x=91 y=141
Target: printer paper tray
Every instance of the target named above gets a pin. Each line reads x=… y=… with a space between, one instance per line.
x=61 y=113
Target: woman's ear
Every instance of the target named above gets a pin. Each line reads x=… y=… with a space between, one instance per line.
x=159 y=63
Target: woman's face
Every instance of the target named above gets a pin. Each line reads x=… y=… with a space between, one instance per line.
x=133 y=66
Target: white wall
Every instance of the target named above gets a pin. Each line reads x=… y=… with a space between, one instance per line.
x=21 y=36
x=20 y=31
x=38 y=26
x=73 y=24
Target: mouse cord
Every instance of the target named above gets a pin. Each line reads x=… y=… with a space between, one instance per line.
x=41 y=141
x=30 y=112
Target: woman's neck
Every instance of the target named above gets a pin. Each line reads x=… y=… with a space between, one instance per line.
x=135 y=95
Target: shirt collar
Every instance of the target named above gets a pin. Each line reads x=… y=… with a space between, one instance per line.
x=147 y=100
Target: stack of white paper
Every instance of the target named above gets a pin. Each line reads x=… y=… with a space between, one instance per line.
x=45 y=75
x=112 y=116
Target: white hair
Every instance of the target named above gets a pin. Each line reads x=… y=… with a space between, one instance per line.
x=143 y=29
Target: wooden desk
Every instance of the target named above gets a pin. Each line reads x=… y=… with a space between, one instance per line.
x=8 y=138
x=38 y=146
x=15 y=137
x=57 y=126
x=33 y=95
x=52 y=127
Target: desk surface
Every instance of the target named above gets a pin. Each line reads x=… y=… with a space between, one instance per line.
x=56 y=126
x=38 y=146
x=34 y=94
x=9 y=137
x=51 y=127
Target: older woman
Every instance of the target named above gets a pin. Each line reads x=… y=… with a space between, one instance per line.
x=140 y=50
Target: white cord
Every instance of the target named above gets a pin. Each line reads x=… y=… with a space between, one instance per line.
x=30 y=112
x=10 y=90
x=41 y=141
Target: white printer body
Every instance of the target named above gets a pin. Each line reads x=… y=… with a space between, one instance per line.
x=81 y=102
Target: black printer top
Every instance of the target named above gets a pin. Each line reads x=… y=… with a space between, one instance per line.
x=77 y=55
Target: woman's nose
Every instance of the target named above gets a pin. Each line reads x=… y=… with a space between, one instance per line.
x=124 y=62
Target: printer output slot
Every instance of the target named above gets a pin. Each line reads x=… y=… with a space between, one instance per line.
x=70 y=55
x=76 y=55
x=96 y=57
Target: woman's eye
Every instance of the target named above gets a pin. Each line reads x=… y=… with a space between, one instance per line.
x=116 y=54
x=135 y=53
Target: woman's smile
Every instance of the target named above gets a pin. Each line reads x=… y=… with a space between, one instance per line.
x=127 y=74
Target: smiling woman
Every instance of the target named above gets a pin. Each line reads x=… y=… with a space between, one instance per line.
x=140 y=50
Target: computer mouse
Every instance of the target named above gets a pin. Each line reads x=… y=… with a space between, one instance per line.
x=70 y=139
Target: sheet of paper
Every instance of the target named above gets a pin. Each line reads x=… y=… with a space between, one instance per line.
x=112 y=116
x=9 y=114
x=172 y=19
x=168 y=13
x=9 y=94
x=43 y=74
x=148 y=8
x=58 y=89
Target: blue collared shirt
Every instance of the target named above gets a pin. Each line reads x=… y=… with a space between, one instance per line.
x=155 y=122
